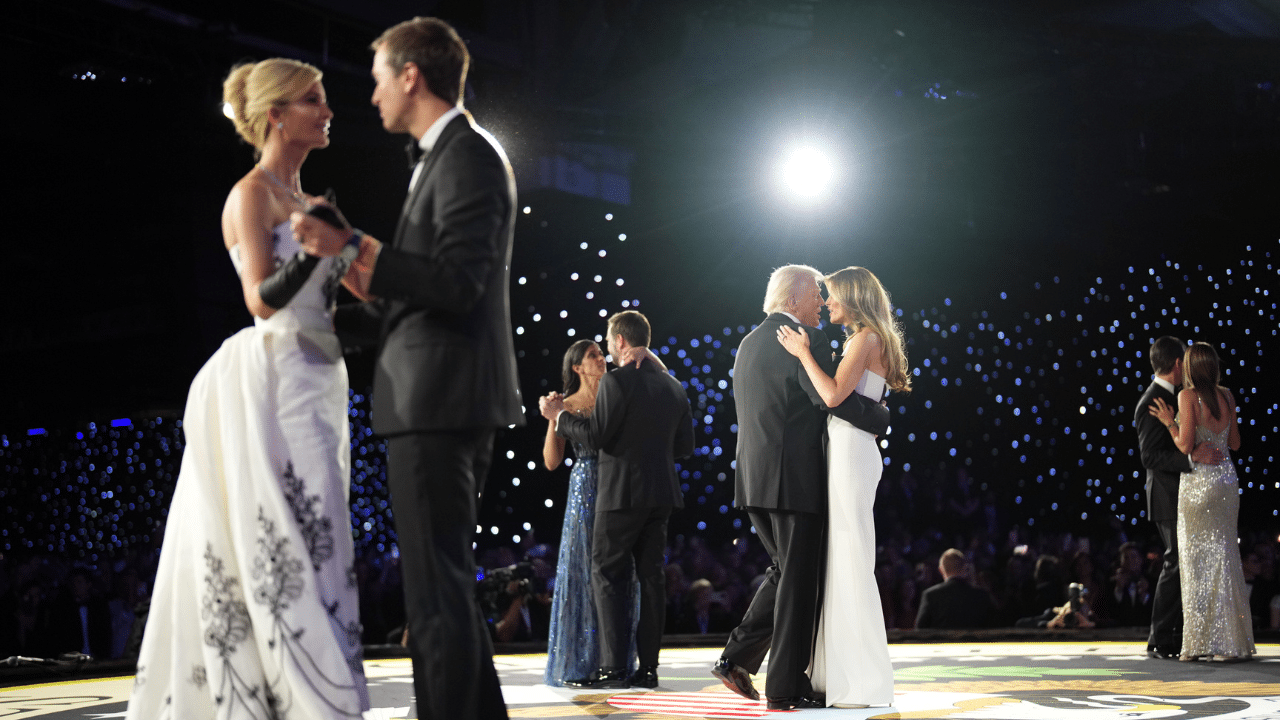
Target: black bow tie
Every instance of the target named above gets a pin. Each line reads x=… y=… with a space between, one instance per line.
x=414 y=153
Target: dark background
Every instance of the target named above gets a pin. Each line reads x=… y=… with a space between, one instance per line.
x=1049 y=152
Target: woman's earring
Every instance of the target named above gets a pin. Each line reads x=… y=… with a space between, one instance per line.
x=280 y=125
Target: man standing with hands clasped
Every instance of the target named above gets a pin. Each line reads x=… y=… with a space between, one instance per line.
x=437 y=303
x=640 y=424
x=1164 y=465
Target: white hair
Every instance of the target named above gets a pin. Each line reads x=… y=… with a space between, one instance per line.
x=783 y=283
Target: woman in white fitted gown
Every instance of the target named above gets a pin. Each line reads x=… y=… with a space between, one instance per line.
x=851 y=654
x=255 y=611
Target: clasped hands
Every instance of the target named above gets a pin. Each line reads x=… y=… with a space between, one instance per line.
x=321 y=239
x=552 y=404
x=316 y=236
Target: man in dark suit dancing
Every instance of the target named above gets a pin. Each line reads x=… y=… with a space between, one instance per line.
x=641 y=423
x=1164 y=466
x=782 y=484
x=446 y=373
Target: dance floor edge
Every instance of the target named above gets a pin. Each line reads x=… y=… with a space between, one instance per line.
x=996 y=681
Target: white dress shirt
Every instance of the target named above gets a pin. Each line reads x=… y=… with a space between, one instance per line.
x=429 y=138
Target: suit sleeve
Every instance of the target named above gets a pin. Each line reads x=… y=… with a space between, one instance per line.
x=861 y=412
x=471 y=207
x=683 y=446
x=924 y=618
x=1156 y=454
x=606 y=418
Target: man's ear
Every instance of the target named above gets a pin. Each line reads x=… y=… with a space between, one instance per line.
x=409 y=75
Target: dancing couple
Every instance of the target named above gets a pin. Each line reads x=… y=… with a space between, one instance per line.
x=809 y=502
x=255 y=608
x=1201 y=605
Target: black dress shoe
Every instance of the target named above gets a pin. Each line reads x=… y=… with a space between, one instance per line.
x=601 y=679
x=645 y=676
x=1162 y=653
x=804 y=702
x=735 y=678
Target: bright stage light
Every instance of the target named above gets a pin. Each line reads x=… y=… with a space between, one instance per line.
x=807 y=173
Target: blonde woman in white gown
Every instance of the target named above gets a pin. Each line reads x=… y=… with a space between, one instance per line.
x=255 y=611
x=1216 y=622
x=851 y=653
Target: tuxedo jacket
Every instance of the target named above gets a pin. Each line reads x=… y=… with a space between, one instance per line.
x=782 y=421
x=954 y=604
x=1160 y=456
x=640 y=424
x=442 y=316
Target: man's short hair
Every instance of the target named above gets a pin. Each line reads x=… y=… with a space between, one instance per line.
x=632 y=326
x=1164 y=352
x=435 y=47
x=952 y=562
x=782 y=286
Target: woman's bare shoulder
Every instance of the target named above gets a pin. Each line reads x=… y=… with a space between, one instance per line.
x=249 y=203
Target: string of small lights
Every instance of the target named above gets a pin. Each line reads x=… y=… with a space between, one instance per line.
x=1032 y=394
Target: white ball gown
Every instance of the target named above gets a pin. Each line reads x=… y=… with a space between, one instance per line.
x=255 y=611
x=851 y=651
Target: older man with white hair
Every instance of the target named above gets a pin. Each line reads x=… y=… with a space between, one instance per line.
x=782 y=484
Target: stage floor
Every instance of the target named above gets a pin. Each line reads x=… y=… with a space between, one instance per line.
x=1016 y=681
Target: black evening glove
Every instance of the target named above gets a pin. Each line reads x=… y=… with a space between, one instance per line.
x=279 y=288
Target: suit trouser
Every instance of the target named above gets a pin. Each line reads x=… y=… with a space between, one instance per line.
x=626 y=544
x=783 y=613
x=1166 y=602
x=435 y=478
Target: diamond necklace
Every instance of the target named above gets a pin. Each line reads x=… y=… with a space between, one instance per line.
x=272 y=177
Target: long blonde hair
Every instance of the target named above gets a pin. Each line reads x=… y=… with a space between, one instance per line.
x=252 y=89
x=867 y=305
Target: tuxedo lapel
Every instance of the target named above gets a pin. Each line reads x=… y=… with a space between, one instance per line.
x=428 y=163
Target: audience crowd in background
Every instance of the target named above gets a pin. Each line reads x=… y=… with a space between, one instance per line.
x=51 y=605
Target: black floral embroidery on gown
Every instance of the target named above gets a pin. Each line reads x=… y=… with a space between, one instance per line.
x=317 y=530
x=280 y=573
x=227 y=624
x=317 y=533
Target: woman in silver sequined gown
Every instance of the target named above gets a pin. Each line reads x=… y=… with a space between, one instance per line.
x=1215 y=602
x=572 y=646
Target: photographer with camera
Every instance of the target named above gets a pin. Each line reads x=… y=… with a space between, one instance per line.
x=1075 y=613
x=507 y=595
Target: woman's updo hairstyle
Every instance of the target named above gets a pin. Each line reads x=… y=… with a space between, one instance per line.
x=252 y=89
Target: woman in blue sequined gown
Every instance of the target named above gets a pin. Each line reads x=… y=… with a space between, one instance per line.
x=255 y=612
x=1216 y=622
x=572 y=646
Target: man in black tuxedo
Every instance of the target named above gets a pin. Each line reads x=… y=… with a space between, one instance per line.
x=640 y=424
x=782 y=484
x=1164 y=466
x=446 y=374
x=953 y=603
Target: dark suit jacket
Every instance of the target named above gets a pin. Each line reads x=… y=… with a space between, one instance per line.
x=641 y=423
x=442 y=315
x=954 y=604
x=1160 y=456
x=782 y=421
